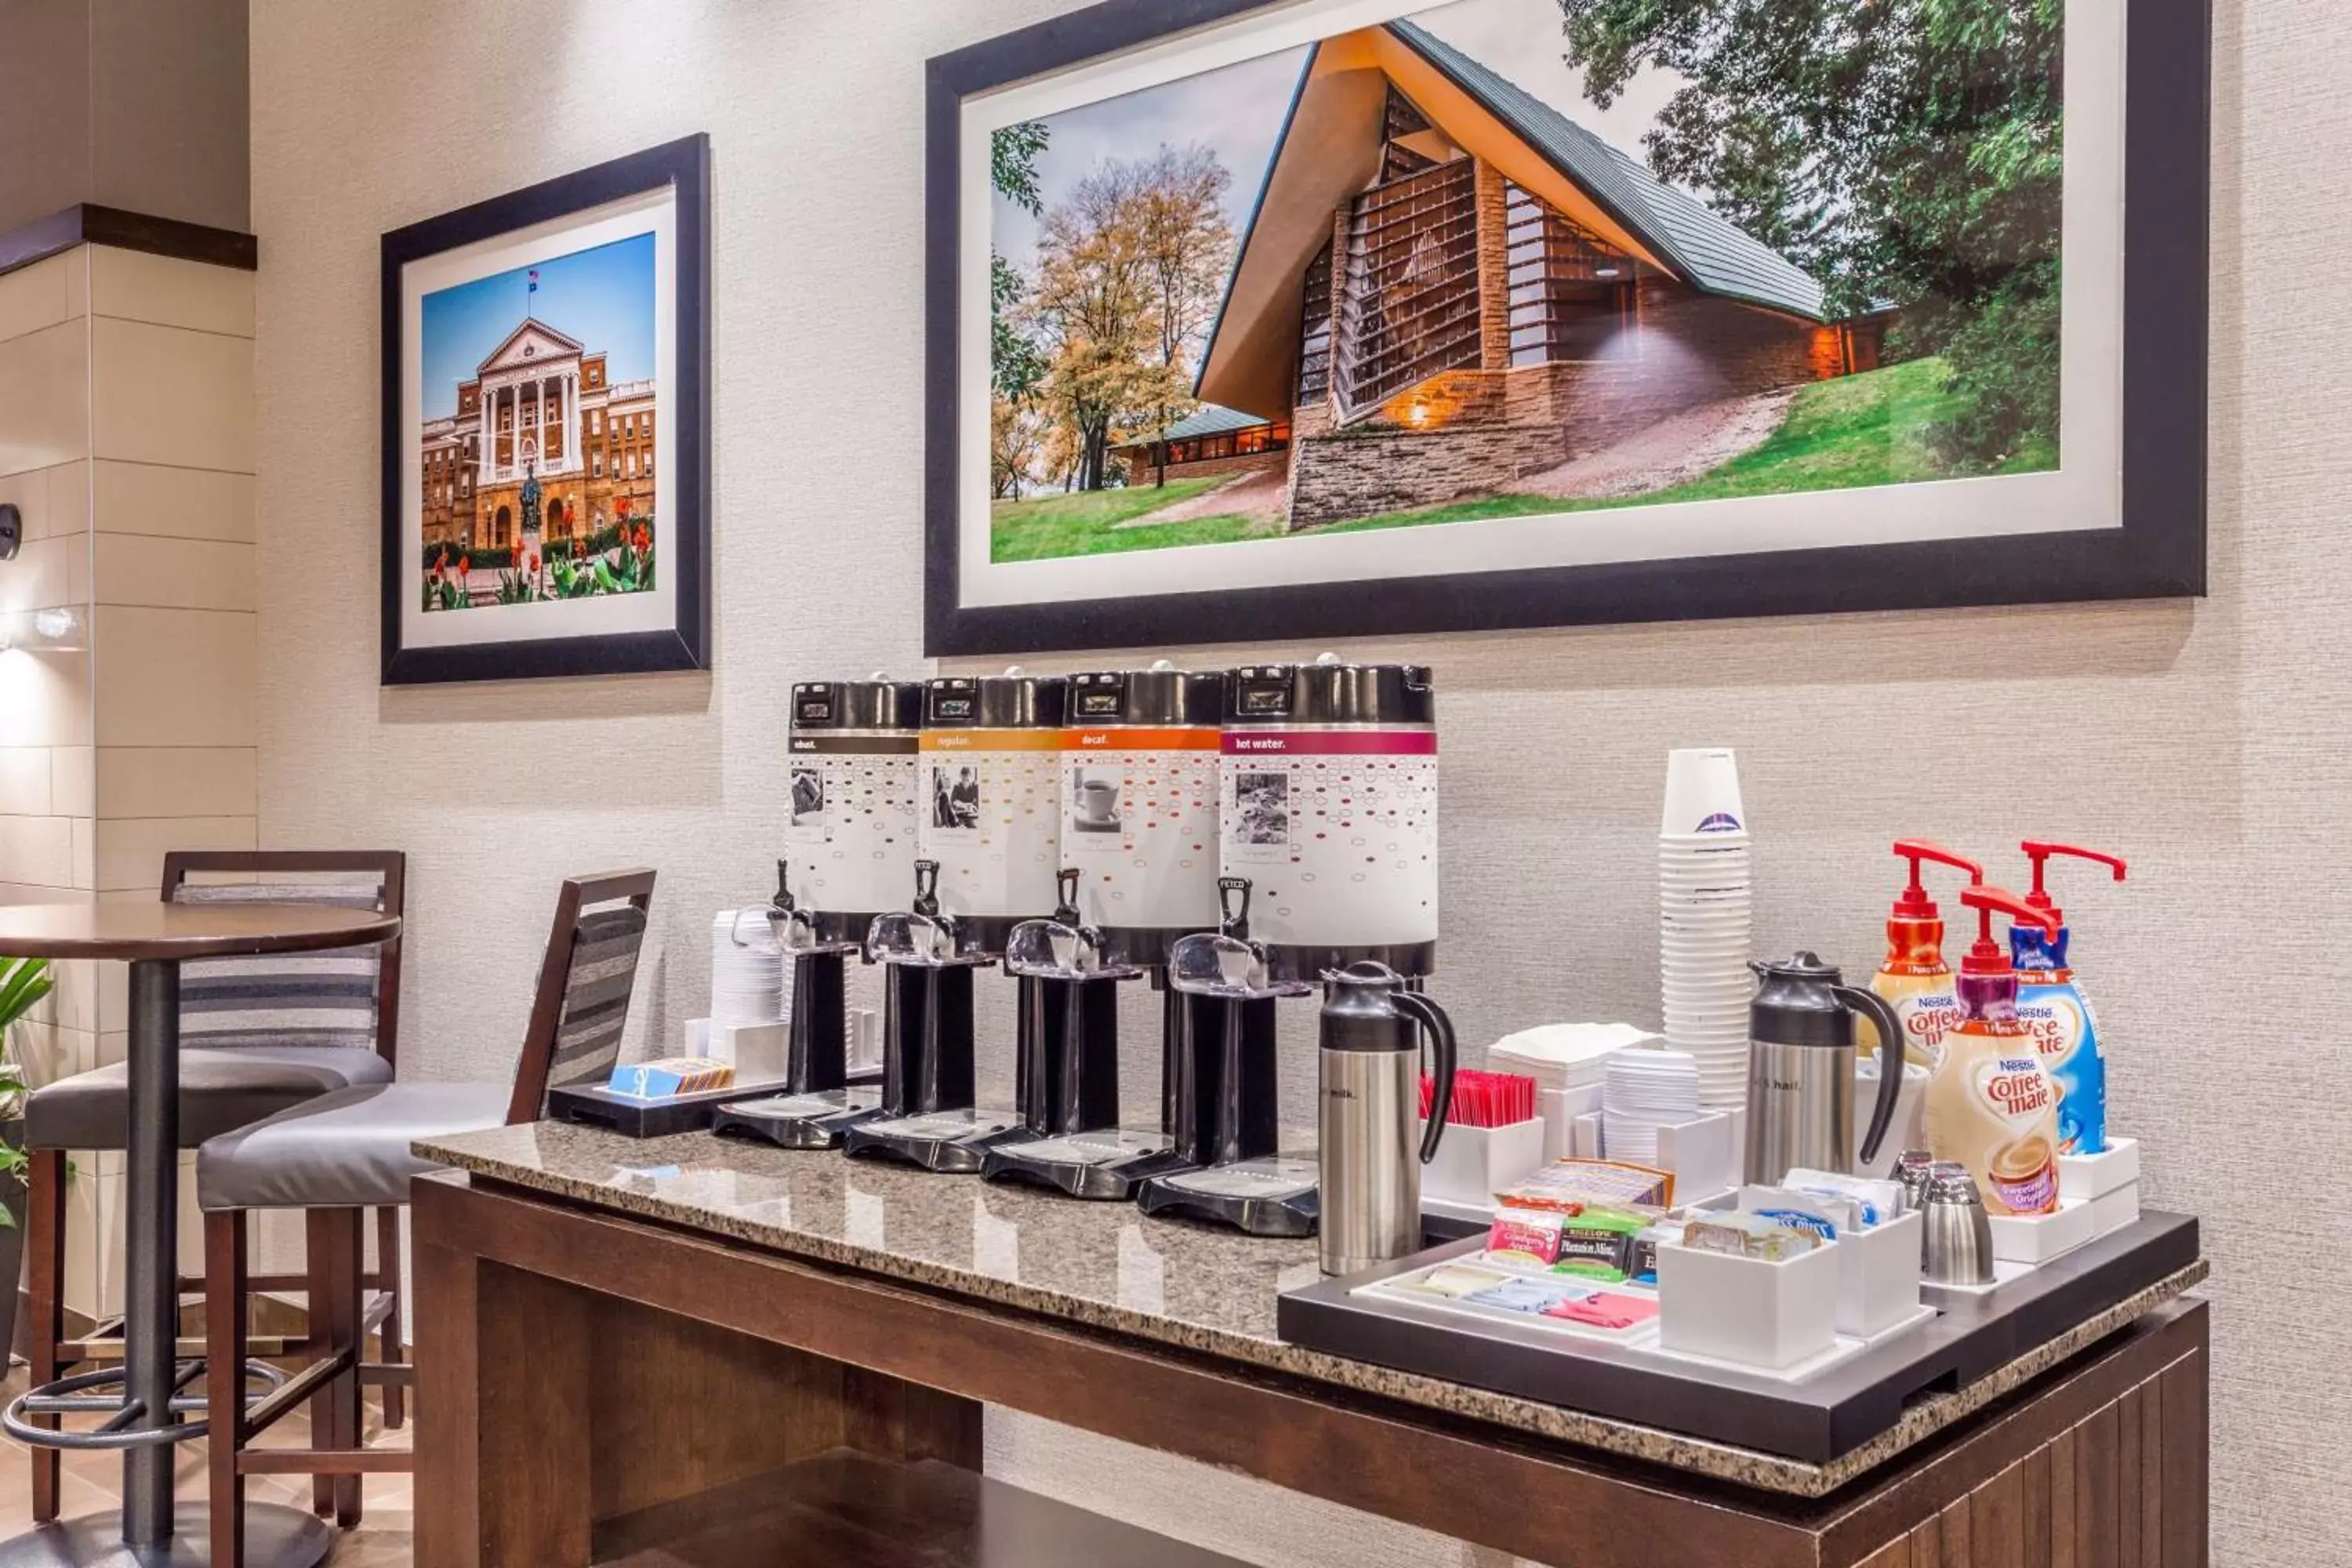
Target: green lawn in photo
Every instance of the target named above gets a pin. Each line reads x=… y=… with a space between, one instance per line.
x=1873 y=428
x=1049 y=527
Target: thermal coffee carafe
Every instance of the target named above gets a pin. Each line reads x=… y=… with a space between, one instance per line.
x=927 y=1118
x=1227 y=1096
x=1329 y=805
x=1801 y=1070
x=1069 y=1138
x=1368 y=1133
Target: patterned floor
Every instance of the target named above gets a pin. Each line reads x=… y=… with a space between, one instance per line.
x=93 y=1484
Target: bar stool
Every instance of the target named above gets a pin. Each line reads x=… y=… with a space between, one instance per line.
x=257 y=1035
x=338 y=1155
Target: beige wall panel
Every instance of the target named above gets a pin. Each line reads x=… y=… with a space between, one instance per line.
x=174 y=677
x=165 y=394
x=169 y=292
x=44 y=398
x=176 y=503
x=173 y=574
x=177 y=781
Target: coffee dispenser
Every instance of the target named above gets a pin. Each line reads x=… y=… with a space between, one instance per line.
x=820 y=1102
x=1228 y=1167
x=927 y=1116
x=1069 y=1138
x=1139 y=806
x=850 y=856
x=990 y=833
x=991 y=811
x=1329 y=805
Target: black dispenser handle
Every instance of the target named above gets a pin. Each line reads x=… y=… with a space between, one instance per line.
x=1440 y=1030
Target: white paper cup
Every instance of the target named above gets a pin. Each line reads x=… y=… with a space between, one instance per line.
x=1703 y=792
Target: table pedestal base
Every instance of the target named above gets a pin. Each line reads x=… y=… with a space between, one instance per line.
x=275 y=1537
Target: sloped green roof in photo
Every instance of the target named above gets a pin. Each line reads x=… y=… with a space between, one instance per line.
x=1707 y=248
x=1211 y=421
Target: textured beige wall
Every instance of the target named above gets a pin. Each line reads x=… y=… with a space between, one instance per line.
x=2204 y=739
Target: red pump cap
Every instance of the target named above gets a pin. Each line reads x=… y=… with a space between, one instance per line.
x=1987 y=956
x=1914 y=904
x=2039 y=851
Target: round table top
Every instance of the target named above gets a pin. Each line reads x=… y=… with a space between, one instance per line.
x=158 y=930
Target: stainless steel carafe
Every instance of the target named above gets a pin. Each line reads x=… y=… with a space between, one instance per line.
x=1801 y=1070
x=1371 y=1099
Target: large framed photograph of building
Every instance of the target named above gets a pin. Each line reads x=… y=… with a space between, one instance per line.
x=1260 y=322
x=546 y=458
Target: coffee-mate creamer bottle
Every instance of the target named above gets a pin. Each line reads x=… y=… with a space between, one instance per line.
x=1990 y=1105
x=2065 y=1030
x=1914 y=977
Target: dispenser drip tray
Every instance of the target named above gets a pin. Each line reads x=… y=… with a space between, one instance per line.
x=955 y=1142
x=1107 y=1164
x=814 y=1121
x=1274 y=1194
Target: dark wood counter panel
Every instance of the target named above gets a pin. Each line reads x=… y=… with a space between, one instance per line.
x=607 y=1326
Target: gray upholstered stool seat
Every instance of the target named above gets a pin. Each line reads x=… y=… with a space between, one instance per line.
x=345 y=1150
x=222 y=1088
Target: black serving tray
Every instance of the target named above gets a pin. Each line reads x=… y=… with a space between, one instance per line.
x=633 y=1118
x=1816 y=1421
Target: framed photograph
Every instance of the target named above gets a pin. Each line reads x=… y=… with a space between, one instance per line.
x=546 y=428
x=1363 y=317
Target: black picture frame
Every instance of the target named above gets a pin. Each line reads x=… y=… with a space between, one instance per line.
x=685 y=526
x=2159 y=551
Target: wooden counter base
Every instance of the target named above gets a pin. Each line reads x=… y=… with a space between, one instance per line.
x=576 y=1367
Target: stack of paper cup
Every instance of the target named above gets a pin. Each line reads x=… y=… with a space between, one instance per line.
x=747 y=969
x=1704 y=935
x=1643 y=1092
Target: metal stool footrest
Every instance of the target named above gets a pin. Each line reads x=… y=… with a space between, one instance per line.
x=71 y=1396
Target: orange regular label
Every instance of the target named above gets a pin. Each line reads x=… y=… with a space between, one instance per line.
x=991 y=739
x=1125 y=740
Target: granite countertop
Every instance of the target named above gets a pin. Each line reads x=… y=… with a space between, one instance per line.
x=1106 y=1266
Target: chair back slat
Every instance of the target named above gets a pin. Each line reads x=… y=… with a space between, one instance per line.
x=585 y=981
x=330 y=998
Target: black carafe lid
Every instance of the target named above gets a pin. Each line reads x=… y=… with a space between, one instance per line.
x=1329 y=691
x=1795 y=1004
x=1162 y=697
x=1009 y=701
x=874 y=703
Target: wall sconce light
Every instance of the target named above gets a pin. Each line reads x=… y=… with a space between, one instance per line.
x=11 y=530
x=59 y=629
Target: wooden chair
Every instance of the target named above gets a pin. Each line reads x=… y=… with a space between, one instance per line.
x=256 y=1035
x=343 y=1153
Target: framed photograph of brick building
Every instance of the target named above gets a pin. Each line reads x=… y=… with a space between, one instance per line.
x=1351 y=317
x=545 y=451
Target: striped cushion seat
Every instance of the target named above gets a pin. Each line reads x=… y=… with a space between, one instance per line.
x=281 y=999
x=596 y=995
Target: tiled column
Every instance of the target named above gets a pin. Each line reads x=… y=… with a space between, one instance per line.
x=134 y=446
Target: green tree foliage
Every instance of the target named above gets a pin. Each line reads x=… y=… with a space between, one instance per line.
x=1902 y=151
x=1015 y=364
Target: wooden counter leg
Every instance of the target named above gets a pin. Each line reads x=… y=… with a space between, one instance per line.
x=504 y=1440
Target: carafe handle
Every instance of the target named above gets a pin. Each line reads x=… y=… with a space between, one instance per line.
x=1890 y=1064
x=1440 y=1029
